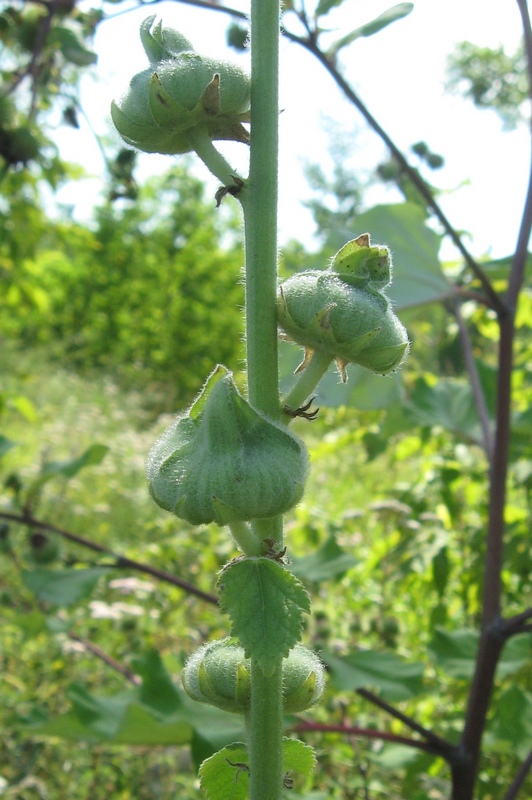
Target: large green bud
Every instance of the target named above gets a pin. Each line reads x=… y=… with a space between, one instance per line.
x=224 y=462
x=343 y=312
x=219 y=674
x=180 y=95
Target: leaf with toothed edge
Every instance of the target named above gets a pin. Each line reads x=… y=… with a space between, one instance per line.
x=266 y=604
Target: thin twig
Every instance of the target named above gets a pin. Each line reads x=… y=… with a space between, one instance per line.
x=479 y=397
x=107 y=659
x=370 y=733
x=120 y=561
x=519 y=779
x=444 y=747
x=516 y=624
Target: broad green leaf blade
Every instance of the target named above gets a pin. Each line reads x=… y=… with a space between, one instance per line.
x=330 y=561
x=266 y=604
x=447 y=402
x=62 y=587
x=140 y=727
x=298 y=757
x=455 y=653
x=510 y=729
x=157 y=691
x=368 y=669
x=417 y=275
x=225 y=775
x=382 y=21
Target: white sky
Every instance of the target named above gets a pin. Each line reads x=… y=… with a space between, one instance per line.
x=399 y=73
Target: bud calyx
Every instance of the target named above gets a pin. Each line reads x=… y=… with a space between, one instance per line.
x=181 y=95
x=343 y=312
x=224 y=462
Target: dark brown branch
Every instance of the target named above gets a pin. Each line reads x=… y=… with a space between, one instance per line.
x=107 y=659
x=444 y=748
x=369 y=733
x=519 y=779
x=120 y=561
x=517 y=624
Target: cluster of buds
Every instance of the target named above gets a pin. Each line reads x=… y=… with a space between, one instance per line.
x=224 y=462
x=219 y=674
x=181 y=94
x=342 y=311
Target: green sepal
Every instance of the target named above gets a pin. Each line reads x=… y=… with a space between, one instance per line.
x=165 y=110
x=160 y=43
x=358 y=262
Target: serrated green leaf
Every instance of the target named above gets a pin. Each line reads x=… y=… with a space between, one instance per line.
x=225 y=775
x=382 y=21
x=298 y=757
x=369 y=669
x=330 y=561
x=62 y=587
x=266 y=604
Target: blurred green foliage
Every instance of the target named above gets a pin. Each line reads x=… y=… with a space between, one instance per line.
x=148 y=293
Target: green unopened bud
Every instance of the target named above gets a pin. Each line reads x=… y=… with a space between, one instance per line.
x=224 y=462
x=182 y=94
x=342 y=311
x=219 y=674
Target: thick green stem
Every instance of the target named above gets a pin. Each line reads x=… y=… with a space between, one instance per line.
x=259 y=203
x=306 y=383
x=264 y=726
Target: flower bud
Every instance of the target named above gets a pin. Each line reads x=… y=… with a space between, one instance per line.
x=180 y=95
x=342 y=311
x=224 y=462
x=219 y=674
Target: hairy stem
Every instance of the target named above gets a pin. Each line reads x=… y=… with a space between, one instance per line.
x=259 y=203
x=212 y=158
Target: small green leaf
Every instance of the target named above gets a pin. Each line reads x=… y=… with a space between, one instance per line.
x=6 y=445
x=71 y=47
x=382 y=21
x=62 y=587
x=92 y=456
x=330 y=561
x=225 y=775
x=369 y=669
x=266 y=605
x=440 y=571
x=324 y=6
x=298 y=757
x=157 y=690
